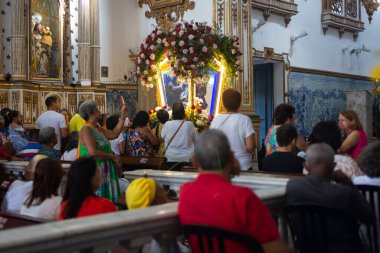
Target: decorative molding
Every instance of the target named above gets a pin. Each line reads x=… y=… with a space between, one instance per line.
x=268 y=54
x=121 y=87
x=342 y=24
x=101 y=101
x=284 y=8
x=162 y=9
x=329 y=73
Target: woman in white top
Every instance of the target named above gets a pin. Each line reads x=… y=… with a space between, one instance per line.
x=70 y=153
x=179 y=136
x=369 y=162
x=237 y=127
x=43 y=202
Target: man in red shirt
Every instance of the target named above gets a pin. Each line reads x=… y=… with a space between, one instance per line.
x=213 y=201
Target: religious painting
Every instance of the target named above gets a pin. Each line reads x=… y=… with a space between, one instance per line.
x=45 y=40
x=175 y=91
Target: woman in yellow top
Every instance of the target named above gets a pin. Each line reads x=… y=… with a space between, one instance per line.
x=93 y=141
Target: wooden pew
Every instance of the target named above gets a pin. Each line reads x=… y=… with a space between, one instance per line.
x=135 y=163
x=17 y=220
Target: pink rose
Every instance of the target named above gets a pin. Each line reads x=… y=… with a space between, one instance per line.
x=184 y=59
x=159 y=41
x=147 y=61
x=181 y=33
x=215 y=46
x=152 y=56
x=191 y=37
x=191 y=49
x=185 y=51
x=195 y=59
x=173 y=43
x=181 y=43
x=201 y=41
x=204 y=49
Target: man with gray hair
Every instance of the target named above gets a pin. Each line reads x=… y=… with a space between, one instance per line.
x=213 y=201
x=318 y=189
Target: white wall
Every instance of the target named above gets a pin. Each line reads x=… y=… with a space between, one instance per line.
x=123 y=26
x=318 y=51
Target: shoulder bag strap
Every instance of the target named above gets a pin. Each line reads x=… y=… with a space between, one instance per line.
x=170 y=141
x=224 y=121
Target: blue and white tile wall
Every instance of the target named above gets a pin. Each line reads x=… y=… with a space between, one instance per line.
x=114 y=102
x=318 y=97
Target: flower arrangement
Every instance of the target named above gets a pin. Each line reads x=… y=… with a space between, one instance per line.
x=199 y=117
x=192 y=50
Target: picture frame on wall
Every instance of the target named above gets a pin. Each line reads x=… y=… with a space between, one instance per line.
x=45 y=40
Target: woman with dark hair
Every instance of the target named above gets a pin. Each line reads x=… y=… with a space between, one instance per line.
x=283 y=114
x=103 y=119
x=118 y=144
x=140 y=138
x=71 y=147
x=80 y=200
x=179 y=135
x=16 y=132
x=328 y=132
x=237 y=127
x=355 y=138
x=43 y=201
x=162 y=116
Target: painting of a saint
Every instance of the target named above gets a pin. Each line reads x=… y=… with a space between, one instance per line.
x=175 y=91
x=45 y=45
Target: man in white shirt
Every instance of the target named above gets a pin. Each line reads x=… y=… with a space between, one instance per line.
x=51 y=118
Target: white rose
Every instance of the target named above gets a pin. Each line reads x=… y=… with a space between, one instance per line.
x=215 y=46
x=173 y=43
x=204 y=49
x=195 y=59
x=159 y=41
x=166 y=44
x=145 y=46
x=191 y=49
x=152 y=47
x=142 y=55
x=138 y=60
x=145 y=72
x=181 y=43
x=150 y=85
x=159 y=32
x=184 y=59
x=147 y=61
x=201 y=41
x=199 y=122
x=152 y=56
x=150 y=79
x=233 y=51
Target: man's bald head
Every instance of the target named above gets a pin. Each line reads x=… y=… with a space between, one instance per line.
x=320 y=159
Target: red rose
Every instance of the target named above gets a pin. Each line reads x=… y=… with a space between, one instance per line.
x=164 y=107
x=150 y=112
x=193 y=107
x=199 y=110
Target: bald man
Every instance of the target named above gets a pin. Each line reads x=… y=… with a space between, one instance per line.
x=318 y=189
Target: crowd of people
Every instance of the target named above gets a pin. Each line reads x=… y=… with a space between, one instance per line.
x=335 y=158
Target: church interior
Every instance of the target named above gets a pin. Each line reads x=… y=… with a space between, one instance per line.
x=156 y=97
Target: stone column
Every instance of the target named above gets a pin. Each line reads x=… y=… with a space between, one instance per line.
x=84 y=59
x=361 y=102
x=18 y=52
x=95 y=48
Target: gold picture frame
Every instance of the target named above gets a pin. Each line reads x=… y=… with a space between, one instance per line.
x=45 y=40
x=161 y=9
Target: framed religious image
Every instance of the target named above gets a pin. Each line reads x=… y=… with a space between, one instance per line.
x=45 y=40
x=174 y=91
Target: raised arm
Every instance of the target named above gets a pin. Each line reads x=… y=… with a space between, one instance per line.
x=147 y=132
x=350 y=142
x=113 y=134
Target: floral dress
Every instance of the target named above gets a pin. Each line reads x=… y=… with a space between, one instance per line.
x=110 y=188
x=271 y=141
x=138 y=144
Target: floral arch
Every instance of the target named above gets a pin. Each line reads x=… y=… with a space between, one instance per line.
x=191 y=51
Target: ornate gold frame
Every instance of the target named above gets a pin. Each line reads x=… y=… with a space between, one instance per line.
x=160 y=9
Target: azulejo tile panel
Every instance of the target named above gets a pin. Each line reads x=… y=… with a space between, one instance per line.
x=114 y=102
x=318 y=97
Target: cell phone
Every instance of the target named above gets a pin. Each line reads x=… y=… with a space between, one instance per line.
x=122 y=100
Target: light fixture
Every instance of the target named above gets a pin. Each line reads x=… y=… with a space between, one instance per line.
x=370 y=6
